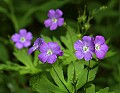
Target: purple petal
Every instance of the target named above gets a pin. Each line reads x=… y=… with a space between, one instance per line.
x=43 y=57
x=32 y=49
x=99 y=39
x=58 y=13
x=51 y=13
x=27 y=43
x=78 y=45
x=15 y=37
x=48 y=22
x=60 y=21
x=88 y=56
x=44 y=47
x=100 y=54
x=53 y=26
x=79 y=54
x=87 y=40
x=58 y=52
x=52 y=58
x=29 y=36
x=104 y=48
x=53 y=45
x=23 y=32
x=19 y=45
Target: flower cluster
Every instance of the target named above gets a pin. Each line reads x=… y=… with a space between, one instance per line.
x=22 y=39
x=86 y=47
x=48 y=51
x=54 y=19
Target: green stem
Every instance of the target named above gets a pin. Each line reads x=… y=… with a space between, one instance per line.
x=60 y=79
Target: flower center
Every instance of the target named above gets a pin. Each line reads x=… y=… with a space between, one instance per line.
x=54 y=20
x=85 y=49
x=22 y=39
x=49 y=52
x=97 y=46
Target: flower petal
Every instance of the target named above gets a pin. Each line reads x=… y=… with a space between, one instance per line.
x=104 y=48
x=29 y=36
x=51 y=13
x=27 y=43
x=53 y=45
x=32 y=49
x=48 y=22
x=15 y=37
x=88 y=56
x=19 y=45
x=100 y=54
x=43 y=57
x=99 y=39
x=60 y=21
x=87 y=40
x=79 y=54
x=78 y=45
x=23 y=32
x=58 y=13
x=52 y=58
x=44 y=47
x=53 y=26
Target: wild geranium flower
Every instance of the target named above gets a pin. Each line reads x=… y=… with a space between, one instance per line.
x=49 y=52
x=22 y=39
x=85 y=48
x=38 y=42
x=54 y=19
x=100 y=47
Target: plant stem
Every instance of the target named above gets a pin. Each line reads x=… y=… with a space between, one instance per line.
x=60 y=79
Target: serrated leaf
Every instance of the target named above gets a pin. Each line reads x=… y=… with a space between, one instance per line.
x=92 y=74
x=57 y=75
x=23 y=57
x=90 y=89
x=41 y=84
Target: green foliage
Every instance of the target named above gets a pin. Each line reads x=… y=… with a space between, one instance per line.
x=68 y=74
x=76 y=78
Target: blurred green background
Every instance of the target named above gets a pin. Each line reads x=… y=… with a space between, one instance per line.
x=30 y=14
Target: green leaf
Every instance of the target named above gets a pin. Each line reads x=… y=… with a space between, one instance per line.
x=3 y=53
x=4 y=10
x=92 y=74
x=57 y=75
x=75 y=72
x=105 y=90
x=23 y=57
x=41 y=84
x=90 y=89
x=69 y=39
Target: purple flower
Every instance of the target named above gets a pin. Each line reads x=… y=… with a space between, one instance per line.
x=22 y=39
x=49 y=52
x=36 y=45
x=100 y=47
x=54 y=19
x=85 y=48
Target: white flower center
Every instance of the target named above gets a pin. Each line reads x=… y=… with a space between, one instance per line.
x=22 y=39
x=85 y=48
x=54 y=20
x=49 y=52
x=97 y=46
